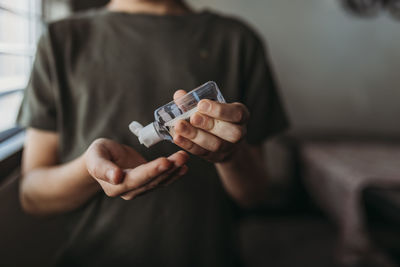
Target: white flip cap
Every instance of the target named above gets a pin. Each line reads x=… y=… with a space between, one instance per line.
x=135 y=127
x=147 y=135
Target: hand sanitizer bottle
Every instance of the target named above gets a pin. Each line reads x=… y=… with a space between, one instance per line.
x=167 y=115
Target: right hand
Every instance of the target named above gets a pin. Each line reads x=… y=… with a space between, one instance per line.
x=121 y=171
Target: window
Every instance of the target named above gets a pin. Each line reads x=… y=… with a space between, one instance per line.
x=20 y=27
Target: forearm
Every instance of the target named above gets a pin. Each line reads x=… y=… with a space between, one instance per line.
x=57 y=189
x=243 y=176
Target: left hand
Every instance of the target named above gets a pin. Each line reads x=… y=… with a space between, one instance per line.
x=214 y=131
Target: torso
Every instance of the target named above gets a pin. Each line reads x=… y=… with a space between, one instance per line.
x=118 y=68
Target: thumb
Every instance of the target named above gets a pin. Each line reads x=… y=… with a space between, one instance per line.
x=100 y=166
x=179 y=93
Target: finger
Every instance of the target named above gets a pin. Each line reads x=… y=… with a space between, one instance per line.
x=199 y=151
x=118 y=154
x=227 y=131
x=145 y=173
x=179 y=158
x=234 y=112
x=179 y=93
x=179 y=100
x=152 y=184
x=134 y=178
x=100 y=166
x=190 y=146
x=181 y=172
x=134 y=159
x=199 y=136
x=128 y=195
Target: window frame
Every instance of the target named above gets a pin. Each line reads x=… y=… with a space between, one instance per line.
x=12 y=139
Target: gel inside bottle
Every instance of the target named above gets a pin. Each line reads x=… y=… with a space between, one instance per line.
x=167 y=115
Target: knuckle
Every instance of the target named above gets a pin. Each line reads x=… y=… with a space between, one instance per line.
x=189 y=145
x=197 y=119
x=181 y=127
x=193 y=133
x=163 y=161
x=216 y=110
x=216 y=146
x=209 y=123
x=179 y=141
x=154 y=169
x=204 y=122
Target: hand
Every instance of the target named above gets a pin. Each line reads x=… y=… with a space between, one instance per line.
x=121 y=171
x=214 y=131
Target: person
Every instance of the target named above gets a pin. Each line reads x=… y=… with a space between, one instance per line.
x=97 y=71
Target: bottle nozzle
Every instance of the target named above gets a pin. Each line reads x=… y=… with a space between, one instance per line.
x=147 y=135
x=135 y=127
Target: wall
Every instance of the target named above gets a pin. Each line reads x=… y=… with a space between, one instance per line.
x=339 y=74
x=55 y=9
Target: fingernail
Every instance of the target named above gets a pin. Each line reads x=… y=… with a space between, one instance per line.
x=110 y=175
x=204 y=106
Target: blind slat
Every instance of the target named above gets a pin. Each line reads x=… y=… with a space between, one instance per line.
x=20 y=12
x=10 y=92
x=13 y=83
x=22 y=26
x=17 y=49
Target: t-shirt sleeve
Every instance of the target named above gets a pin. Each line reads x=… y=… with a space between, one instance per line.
x=38 y=108
x=267 y=115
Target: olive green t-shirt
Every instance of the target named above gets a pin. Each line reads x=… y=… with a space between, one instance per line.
x=96 y=72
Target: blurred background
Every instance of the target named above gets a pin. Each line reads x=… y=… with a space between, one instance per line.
x=335 y=176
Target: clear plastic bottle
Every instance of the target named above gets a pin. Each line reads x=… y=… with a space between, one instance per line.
x=179 y=109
